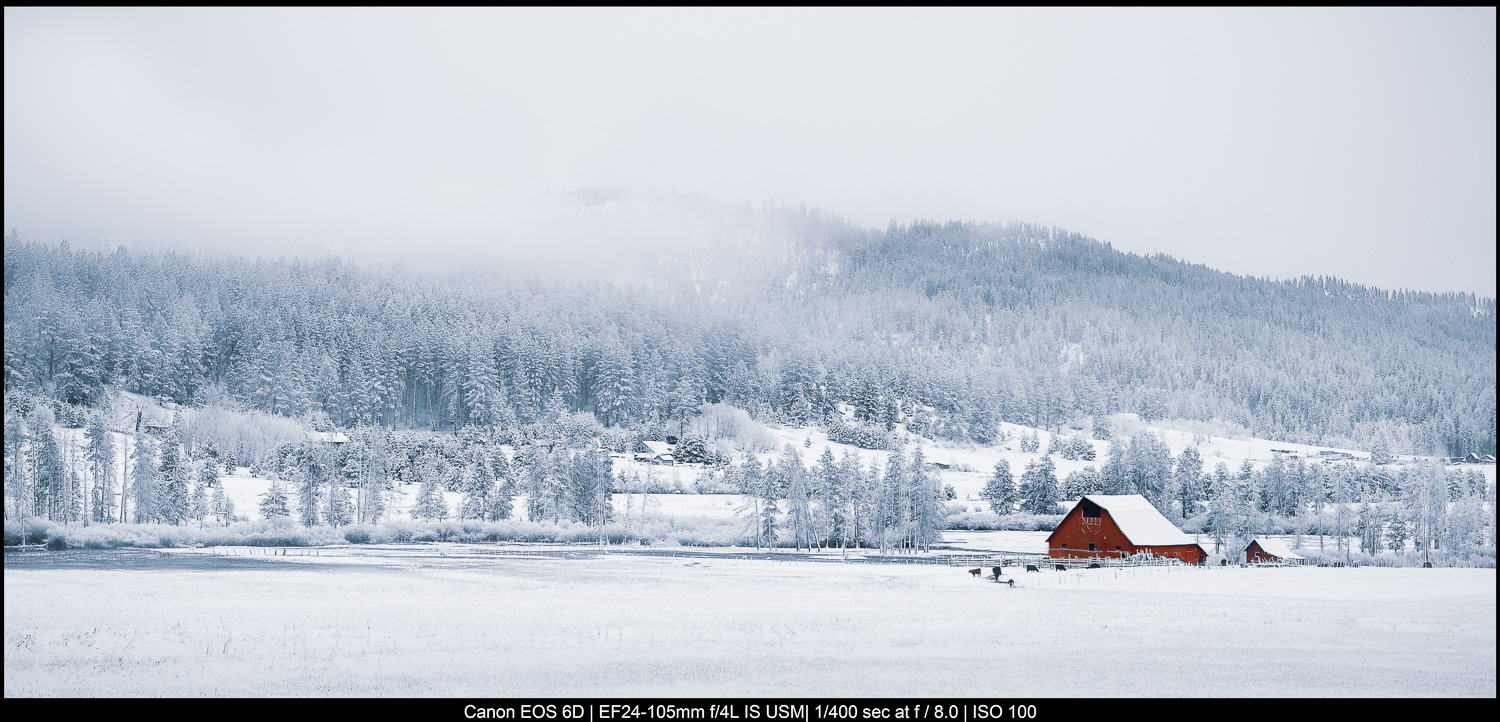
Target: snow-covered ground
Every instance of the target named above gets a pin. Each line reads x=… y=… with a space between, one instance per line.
x=454 y=620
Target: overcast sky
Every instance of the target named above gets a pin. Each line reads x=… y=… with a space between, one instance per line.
x=1355 y=143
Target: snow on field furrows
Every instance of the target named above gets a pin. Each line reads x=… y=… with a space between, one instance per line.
x=453 y=619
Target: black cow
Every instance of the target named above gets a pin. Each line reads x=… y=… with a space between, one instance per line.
x=997 y=572
x=1032 y=568
x=1095 y=565
x=1061 y=567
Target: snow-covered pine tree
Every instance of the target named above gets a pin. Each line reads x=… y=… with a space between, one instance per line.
x=274 y=503
x=1151 y=469
x=799 y=501
x=829 y=499
x=18 y=496
x=175 y=504
x=1030 y=443
x=1039 y=487
x=72 y=497
x=586 y=481
x=502 y=498
x=1369 y=528
x=430 y=504
x=535 y=475
x=308 y=496
x=339 y=508
x=1187 y=479
x=199 y=501
x=475 y=483
x=768 y=494
x=1397 y=532
x=1000 y=491
x=101 y=456
x=1084 y=481
x=48 y=475
x=927 y=504
x=1116 y=471
x=145 y=482
x=221 y=507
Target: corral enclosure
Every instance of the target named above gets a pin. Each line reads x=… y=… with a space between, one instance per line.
x=450 y=619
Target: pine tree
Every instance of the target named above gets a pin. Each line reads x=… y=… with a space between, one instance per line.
x=49 y=477
x=274 y=503
x=502 y=499
x=339 y=508
x=799 y=509
x=1187 y=479
x=308 y=488
x=831 y=504
x=1116 y=471
x=221 y=506
x=1369 y=529
x=101 y=455
x=430 y=503
x=72 y=497
x=18 y=495
x=927 y=504
x=1000 y=490
x=1039 y=487
x=475 y=482
x=175 y=505
x=1082 y=482
x=145 y=482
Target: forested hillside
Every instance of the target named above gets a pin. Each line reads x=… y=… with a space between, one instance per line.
x=948 y=329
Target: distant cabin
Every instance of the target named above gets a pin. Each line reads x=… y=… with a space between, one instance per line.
x=1263 y=551
x=328 y=437
x=1117 y=526
x=654 y=452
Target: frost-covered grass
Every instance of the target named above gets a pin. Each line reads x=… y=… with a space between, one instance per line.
x=408 y=621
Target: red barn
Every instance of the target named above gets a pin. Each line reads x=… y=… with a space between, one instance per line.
x=1117 y=526
x=1262 y=550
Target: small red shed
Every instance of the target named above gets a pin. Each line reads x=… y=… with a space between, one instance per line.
x=1101 y=525
x=1262 y=551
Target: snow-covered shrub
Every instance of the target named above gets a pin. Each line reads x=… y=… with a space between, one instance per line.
x=57 y=539
x=722 y=421
x=29 y=530
x=246 y=434
x=708 y=482
x=696 y=450
x=987 y=521
x=854 y=433
x=357 y=536
x=578 y=429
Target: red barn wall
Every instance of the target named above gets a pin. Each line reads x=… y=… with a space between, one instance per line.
x=1072 y=533
x=1254 y=553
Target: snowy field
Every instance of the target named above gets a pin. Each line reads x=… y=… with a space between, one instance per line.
x=450 y=619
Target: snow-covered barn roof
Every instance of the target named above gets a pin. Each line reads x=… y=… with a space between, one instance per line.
x=1274 y=547
x=1142 y=524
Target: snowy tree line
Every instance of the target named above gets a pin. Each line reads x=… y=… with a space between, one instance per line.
x=155 y=478
x=1378 y=507
x=841 y=502
x=947 y=330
